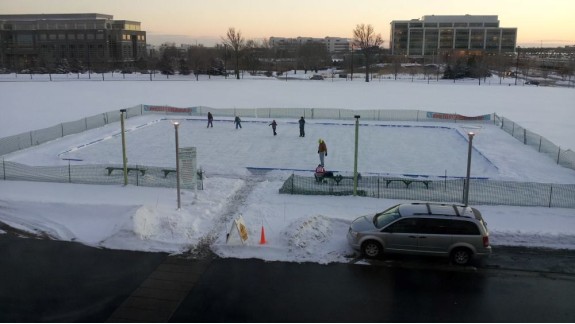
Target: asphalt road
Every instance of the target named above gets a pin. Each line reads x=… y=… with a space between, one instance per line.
x=51 y=281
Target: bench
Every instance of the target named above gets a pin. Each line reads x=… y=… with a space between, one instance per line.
x=168 y=171
x=407 y=182
x=337 y=178
x=110 y=169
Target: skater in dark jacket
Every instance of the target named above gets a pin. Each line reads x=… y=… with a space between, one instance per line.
x=238 y=122
x=210 y=119
x=301 y=127
x=274 y=125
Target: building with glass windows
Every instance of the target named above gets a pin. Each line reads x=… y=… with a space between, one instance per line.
x=86 y=39
x=333 y=45
x=432 y=35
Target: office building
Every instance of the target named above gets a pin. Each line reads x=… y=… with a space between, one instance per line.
x=431 y=35
x=334 y=45
x=87 y=39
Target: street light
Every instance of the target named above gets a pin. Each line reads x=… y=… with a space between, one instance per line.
x=352 y=62
x=466 y=189
x=124 y=157
x=355 y=156
x=176 y=124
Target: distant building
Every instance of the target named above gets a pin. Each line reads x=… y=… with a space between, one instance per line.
x=435 y=34
x=89 y=39
x=333 y=45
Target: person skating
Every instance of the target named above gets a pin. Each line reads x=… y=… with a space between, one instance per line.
x=274 y=125
x=238 y=122
x=210 y=120
x=301 y=127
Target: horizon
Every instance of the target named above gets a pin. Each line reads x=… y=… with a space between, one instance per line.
x=176 y=21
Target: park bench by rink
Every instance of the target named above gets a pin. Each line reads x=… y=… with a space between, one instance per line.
x=141 y=170
x=168 y=171
x=336 y=178
x=407 y=182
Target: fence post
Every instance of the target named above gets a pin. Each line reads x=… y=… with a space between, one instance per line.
x=292 y=178
x=524 y=136
x=377 y=187
x=69 y=173
x=540 y=139
x=4 y=168
x=558 y=154
x=550 y=195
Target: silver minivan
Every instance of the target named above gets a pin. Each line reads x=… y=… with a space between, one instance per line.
x=450 y=230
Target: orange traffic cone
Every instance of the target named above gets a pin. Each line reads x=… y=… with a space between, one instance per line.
x=263 y=237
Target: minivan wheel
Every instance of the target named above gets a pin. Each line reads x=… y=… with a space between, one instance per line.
x=372 y=249
x=461 y=256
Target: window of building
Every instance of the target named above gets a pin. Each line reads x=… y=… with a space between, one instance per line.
x=431 y=41
x=80 y=36
x=61 y=36
x=477 y=38
x=462 y=38
x=446 y=38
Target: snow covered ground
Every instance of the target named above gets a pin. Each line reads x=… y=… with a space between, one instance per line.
x=297 y=228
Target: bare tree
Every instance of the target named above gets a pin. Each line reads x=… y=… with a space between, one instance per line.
x=365 y=38
x=236 y=42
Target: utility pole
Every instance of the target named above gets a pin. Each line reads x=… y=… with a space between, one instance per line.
x=124 y=157
x=517 y=65
x=355 y=155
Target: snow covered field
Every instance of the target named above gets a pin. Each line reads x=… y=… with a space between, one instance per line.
x=297 y=228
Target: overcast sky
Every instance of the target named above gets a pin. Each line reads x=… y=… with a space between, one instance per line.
x=547 y=23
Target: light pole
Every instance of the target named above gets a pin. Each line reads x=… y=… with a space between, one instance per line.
x=176 y=124
x=466 y=192
x=355 y=155
x=352 y=62
x=124 y=157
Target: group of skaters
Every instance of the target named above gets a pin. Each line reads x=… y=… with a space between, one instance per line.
x=321 y=150
x=273 y=124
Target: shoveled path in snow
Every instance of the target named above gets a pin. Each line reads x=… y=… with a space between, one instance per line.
x=202 y=249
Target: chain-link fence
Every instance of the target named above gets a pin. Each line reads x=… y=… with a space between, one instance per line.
x=481 y=191
x=138 y=175
x=563 y=157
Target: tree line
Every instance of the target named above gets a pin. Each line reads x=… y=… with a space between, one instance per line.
x=236 y=55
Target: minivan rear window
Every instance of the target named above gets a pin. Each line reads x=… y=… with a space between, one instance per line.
x=447 y=227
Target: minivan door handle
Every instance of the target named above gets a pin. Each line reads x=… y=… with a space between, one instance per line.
x=423 y=237
x=412 y=236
